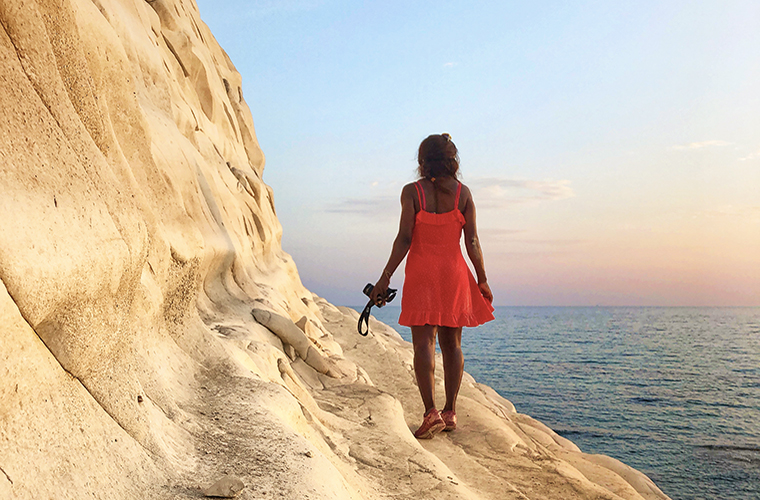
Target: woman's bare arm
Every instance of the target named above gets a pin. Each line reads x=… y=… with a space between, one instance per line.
x=400 y=245
x=472 y=244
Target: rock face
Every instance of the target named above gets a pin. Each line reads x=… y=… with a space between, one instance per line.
x=142 y=271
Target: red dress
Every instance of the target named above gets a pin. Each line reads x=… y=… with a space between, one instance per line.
x=439 y=288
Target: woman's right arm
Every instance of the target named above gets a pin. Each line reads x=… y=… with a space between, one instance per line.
x=401 y=244
x=472 y=244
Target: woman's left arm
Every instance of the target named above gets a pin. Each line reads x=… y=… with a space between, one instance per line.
x=472 y=244
x=400 y=246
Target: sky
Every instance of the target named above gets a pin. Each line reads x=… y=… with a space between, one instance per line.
x=612 y=148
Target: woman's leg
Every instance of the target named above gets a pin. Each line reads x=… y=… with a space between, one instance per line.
x=450 y=340
x=423 y=339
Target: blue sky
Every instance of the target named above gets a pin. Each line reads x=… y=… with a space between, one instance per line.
x=613 y=148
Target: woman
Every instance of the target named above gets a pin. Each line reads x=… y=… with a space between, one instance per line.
x=440 y=294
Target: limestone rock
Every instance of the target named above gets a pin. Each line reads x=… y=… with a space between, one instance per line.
x=290 y=333
x=226 y=487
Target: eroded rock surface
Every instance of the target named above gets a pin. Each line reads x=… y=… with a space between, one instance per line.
x=154 y=335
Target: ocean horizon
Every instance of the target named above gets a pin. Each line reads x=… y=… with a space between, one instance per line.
x=671 y=391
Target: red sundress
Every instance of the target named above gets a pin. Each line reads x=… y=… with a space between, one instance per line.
x=439 y=288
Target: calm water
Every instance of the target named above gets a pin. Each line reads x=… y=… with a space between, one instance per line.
x=673 y=392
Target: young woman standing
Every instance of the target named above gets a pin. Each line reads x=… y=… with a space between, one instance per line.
x=440 y=295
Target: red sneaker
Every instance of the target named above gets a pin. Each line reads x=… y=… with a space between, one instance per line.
x=450 y=419
x=432 y=424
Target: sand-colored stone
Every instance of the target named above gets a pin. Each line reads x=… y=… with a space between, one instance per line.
x=226 y=487
x=137 y=243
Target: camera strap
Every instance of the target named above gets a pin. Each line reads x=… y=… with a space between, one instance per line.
x=364 y=318
x=390 y=294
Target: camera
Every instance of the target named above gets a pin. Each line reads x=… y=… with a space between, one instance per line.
x=388 y=296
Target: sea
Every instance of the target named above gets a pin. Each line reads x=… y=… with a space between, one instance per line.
x=671 y=391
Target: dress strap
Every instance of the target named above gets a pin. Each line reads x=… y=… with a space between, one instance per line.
x=459 y=191
x=420 y=195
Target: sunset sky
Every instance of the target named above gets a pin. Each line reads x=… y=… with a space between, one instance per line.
x=613 y=148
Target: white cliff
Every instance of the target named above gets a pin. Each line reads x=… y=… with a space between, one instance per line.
x=153 y=334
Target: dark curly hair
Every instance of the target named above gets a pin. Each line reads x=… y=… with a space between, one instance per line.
x=437 y=157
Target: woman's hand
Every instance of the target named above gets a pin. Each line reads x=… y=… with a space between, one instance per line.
x=485 y=290
x=378 y=292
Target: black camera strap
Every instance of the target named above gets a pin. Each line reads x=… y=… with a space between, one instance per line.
x=364 y=318
x=390 y=294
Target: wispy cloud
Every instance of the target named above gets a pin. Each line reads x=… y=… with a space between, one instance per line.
x=380 y=206
x=530 y=255
x=553 y=242
x=489 y=193
x=731 y=211
x=449 y=64
x=751 y=156
x=497 y=232
x=499 y=193
x=703 y=144
x=517 y=238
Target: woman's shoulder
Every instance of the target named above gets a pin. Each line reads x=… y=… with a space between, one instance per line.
x=409 y=189
x=465 y=193
x=465 y=197
x=408 y=192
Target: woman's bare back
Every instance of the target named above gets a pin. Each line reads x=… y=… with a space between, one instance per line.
x=440 y=195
